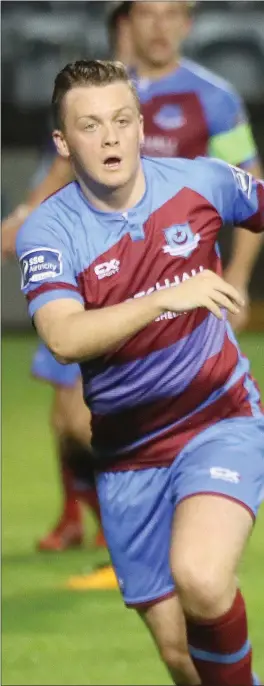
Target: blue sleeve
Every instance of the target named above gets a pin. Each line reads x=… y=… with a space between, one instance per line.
x=46 y=260
x=237 y=196
x=226 y=111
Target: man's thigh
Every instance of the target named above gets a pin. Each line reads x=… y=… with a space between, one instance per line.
x=137 y=514
x=210 y=532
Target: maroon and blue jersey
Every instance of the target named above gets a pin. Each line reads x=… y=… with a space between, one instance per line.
x=192 y=112
x=182 y=373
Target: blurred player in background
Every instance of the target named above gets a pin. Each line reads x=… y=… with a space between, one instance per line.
x=121 y=274
x=187 y=112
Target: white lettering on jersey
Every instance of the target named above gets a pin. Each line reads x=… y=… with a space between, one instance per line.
x=168 y=284
x=107 y=269
x=160 y=146
x=225 y=474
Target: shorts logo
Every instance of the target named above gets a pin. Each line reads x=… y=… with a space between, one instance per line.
x=225 y=474
x=181 y=240
x=107 y=269
x=39 y=265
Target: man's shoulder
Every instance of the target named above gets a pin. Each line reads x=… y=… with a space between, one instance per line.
x=180 y=167
x=54 y=218
x=58 y=212
x=208 y=82
x=202 y=177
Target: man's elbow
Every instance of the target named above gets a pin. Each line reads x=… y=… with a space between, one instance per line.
x=62 y=350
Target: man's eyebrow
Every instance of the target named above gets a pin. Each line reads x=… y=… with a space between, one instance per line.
x=115 y=113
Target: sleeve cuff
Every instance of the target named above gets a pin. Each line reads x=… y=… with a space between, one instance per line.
x=44 y=298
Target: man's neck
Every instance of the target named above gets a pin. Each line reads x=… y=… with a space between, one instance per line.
x=115 y=199
x=154 y=73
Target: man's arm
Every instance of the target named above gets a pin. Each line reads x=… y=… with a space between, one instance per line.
x=73 y=334
x=233 y=142
x=246 y=248
x=60 y=173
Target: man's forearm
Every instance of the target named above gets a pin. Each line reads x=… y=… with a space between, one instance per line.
x=246 y=248
x=86 y=335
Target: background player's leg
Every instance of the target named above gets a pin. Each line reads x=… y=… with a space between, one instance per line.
x=70 y=420
x=166 y=623
x=209 y=535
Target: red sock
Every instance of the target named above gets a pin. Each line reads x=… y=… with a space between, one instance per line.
x=220 y=648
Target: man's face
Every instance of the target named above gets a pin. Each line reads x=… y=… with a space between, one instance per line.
x=102 y=133
x=158 y=28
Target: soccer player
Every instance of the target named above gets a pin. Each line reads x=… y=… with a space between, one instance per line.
x=122 y=274
x=187 y=111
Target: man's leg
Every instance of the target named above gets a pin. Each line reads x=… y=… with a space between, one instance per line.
x=70 y=422
x=166 y=623
x=223 y=469
x=137 y=513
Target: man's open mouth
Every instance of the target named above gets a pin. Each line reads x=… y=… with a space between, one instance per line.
x=112 y=162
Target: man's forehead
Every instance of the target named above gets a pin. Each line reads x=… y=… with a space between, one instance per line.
x=104 y=98
x=157 y=4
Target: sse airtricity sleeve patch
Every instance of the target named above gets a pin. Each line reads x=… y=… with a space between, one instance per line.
x=39 y=265
x=46 y=260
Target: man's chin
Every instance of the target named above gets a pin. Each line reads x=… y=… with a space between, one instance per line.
x=160 y=59
x=114 y=180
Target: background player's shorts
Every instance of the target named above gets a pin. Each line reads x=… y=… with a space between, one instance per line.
x=45 y=367
x=137 y=507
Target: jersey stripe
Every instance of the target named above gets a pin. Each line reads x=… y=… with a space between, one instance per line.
x=46 y=287
x=165 y=372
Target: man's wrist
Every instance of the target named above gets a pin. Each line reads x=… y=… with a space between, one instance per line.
x=236 y=278
x=158 y=305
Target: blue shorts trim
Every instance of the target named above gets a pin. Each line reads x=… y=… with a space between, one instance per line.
x=137 y=507
x=45 y=367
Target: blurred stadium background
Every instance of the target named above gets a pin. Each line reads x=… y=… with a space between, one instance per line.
x=52 y=635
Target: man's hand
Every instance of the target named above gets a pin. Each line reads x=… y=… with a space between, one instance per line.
x=204 y=290
x=9 y=229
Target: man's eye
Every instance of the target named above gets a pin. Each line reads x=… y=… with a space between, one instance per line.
x=90 y=127
x=122 y=121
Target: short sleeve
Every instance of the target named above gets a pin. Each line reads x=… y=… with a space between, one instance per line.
x=236 y=195
x=231 y=137
x=46 y=260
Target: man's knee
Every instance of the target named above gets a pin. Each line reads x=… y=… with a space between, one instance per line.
x=204 y=590
x=70 y=416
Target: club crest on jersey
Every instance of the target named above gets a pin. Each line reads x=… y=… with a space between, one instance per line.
x=181 y=241
x=169 y=117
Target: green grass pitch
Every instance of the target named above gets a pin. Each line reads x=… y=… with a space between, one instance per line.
x=52 y=635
